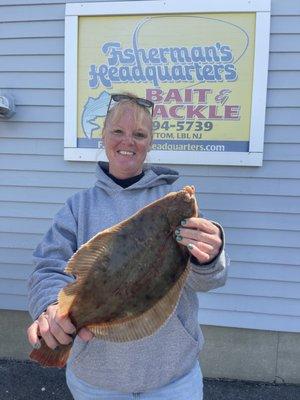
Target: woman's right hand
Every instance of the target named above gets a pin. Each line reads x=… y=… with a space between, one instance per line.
x=55 y=329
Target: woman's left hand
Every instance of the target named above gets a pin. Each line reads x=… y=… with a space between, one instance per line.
x=202 y=238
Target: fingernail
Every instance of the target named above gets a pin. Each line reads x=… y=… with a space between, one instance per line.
x=36 y=345
x=178 y=238
x=190 y=246
x=177 y=232
x=183 y=222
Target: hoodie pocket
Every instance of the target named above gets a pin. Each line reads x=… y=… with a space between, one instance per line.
x=78 y=349
x=139 y=365
x=198 y=340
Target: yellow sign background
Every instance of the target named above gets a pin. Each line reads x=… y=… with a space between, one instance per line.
x=165 y=31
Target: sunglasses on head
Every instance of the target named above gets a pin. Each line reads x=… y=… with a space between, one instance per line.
x=138 y=100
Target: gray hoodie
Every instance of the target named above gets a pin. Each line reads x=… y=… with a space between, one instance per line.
x=139 y=365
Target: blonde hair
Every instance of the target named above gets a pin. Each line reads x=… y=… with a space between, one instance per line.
x=116 y=111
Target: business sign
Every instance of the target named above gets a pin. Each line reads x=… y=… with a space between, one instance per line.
x=204 y=70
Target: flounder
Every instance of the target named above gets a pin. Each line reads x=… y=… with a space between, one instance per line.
x=128 y=278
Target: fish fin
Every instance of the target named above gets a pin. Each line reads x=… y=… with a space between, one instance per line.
x=51 y=358
x=81 y=263
x=66 y=298
x=85 y=257
x=134 y=328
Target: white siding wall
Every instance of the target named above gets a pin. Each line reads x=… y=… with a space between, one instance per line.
x=258 y=207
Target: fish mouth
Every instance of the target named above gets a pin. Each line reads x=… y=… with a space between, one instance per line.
x=190 y=191
x=190 y=196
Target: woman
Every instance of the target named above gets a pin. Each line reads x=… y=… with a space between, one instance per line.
x=164 y=365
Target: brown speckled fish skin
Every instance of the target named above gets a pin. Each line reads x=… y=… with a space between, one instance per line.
x=129 y=270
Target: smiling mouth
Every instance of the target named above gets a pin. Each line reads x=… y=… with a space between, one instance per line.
x=126 y=153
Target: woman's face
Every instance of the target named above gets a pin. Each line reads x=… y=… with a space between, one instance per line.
x=127 y=140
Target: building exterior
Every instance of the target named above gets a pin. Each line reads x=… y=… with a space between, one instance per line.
x=252 y=325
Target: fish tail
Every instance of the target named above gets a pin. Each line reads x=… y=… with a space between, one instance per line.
x=51 y=358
